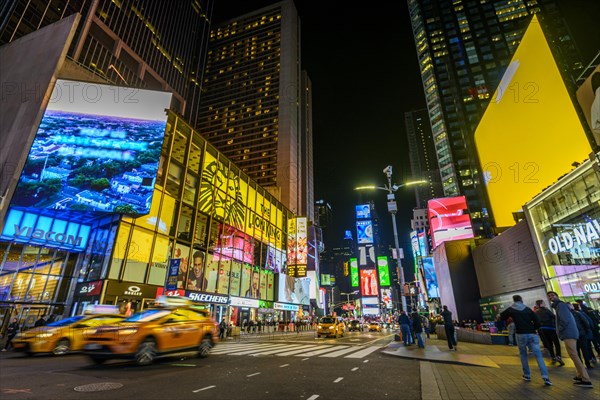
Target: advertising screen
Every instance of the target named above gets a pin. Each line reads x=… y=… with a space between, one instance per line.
x=449 y=219
x=530 y=134
x=370 y=305
x=368 y=282
x=297 y=246
x=423 y=247
x=386 y=298
x=235 y=244
x=363 y=211
x=354 y=272
x=364 y=232
x=97 y=149
x=384 y=271
x=430 y=277
x=325 y=280
x=294 y=290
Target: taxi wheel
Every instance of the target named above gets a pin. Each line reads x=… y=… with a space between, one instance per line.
x=205 y=346
x=61 y=348
x=146 y=352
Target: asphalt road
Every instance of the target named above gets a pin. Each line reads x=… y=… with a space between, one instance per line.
x=290 y=367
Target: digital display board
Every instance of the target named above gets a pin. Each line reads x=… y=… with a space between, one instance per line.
x=363 y=211
x=449 y=219
x=368 y=282
x=294 y=290
x=386 y=298
x=235 y=244
x=430 y=277
x=364 y=232
x=384 y=271
x=97 y=149
x=31 y=228
x=297 y=246
x=530 y=134
x=354 y=279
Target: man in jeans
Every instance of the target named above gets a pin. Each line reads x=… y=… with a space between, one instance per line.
x=526 y=325
x=567 y=331
x=449 y=329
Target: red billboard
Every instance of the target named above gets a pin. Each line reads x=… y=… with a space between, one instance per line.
x=368 y=282
x=449 y=219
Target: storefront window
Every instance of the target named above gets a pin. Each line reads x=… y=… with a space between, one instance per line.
x=174 y=179
x=189 y=190
x=160 y=260
x=138 y=255
x=212 y=272
x=119 y=251
x=195 y=158
x=201 y=228
x=182 y=252
x=184 y=228
x=179 y=146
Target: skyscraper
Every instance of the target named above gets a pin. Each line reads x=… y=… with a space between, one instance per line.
x=463 y=48
x=423 y=164
x=256 y=102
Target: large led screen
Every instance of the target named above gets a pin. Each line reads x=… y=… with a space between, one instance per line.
x=363 y=211
x=530 y=134
x=297 y=246
x=449 y=219
x=354 y=272
x=364 y=232
x=97 y=149
x=430 y=277
x=235 y=244
x=294 y=290
x=384 y=271
x=368 y=282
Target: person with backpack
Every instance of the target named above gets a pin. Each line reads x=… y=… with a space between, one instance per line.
x=547 y=331
x=585 y=335
x=526 y=326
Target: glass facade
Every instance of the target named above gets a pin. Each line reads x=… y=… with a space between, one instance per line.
x=565 y=220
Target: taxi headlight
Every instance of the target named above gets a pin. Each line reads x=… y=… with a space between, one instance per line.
x=127 y=331
x=44 y=335
x=332 y=327
x=319 y=327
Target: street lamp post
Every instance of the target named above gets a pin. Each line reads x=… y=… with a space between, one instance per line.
x=392 y=208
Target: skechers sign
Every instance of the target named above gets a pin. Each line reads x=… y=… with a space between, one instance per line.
x=207 y=298
x=580 y=235
x=30 y=228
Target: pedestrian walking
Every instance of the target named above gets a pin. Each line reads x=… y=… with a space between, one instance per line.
x=585 y=335
x=41 y=322
x=547 y=331
x=417 y=327
x=595 y=317
x=449 y=328
x=404 y=322
x=426 y=325
x=566 y=329
x=222 y=329
x=11 y=332
x=526 y=325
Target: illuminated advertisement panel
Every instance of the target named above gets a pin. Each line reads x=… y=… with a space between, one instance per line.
x=297 y=246
x=370 y=305
x=28 y=227
x=384 y=271
x=449 y=219
x=354 y=279
x=364 y=232
x=363 y=211
x=530 y=133
x=414 y=242
x=386 y=298
x=430 y=277
x=234 y=244
x=423 y=247
x=368 y=282
x=97 y=149
x=294 y=290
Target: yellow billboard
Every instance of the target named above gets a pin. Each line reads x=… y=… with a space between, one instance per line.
x=530 y=134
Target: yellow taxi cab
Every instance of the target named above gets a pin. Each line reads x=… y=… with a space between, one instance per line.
x=374 y=326
x=331 y=326
x=64 y=336
x=172 y=325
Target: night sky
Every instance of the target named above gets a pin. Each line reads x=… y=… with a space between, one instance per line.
x=362 y=62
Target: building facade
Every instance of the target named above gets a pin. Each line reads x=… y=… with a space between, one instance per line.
x=256 y=102
x=463 y=48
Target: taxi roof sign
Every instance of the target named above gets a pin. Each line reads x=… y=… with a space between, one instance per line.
x=92 y=309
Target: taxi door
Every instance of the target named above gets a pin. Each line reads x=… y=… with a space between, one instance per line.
x=179 y=331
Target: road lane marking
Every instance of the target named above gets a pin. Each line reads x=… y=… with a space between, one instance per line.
x=284 y=365
x=338 y=380
x=251 y=351
x=304 y=359
x=342 y=352
x=354 y=369
x=254 y=374
x=366 y=361
x=364 y=353
x=204 y=388
x=279 y=350
x=313 y=397
x=289 y=353
x=317 y=352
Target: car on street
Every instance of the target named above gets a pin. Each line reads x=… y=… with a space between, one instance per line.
x=331 y=326
x=374 y=326
x=355 y=325
x=64 y=336
x=174 y=325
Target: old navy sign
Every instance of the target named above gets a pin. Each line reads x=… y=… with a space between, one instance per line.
x=34 y=229
x=286 y=307
x=207 y=297
x=582 y=234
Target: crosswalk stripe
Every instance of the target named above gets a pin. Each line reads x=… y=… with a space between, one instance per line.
x=252 y=351
x=342 y=352
x=317 y=352
x=363 y=353
x=234 y=349
x=291 y=353
x=295 y=347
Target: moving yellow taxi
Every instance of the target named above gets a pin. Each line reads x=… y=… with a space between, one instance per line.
x=374 y=327
x=62 y=337
x=331 y=326
x=168 y=328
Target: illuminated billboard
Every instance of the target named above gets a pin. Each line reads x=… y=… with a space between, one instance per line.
x=297 y=246
x=588 y=96
x=386 y=298
x=234 y=244
x=294 y=290
x=364 y=232
x=449 y=219
x=530 y=133
x=384 y=271
x=354 y=279
x=368 y=282
x=97 y=149
x=430 y=277
x=363 y=211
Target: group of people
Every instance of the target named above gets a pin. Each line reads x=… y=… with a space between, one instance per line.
x=14 y=328
x=576 y=325
x=413 y=328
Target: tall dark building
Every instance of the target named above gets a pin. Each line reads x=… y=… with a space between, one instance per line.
x=256 y=102
x=423 y=163
x=141 y=43
x=463 y=48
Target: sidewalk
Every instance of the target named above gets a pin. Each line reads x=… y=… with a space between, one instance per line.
x=478 y=371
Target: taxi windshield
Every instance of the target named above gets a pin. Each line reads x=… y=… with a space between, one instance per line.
x=147 y=315
x=327 y=320
x=66 y=321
